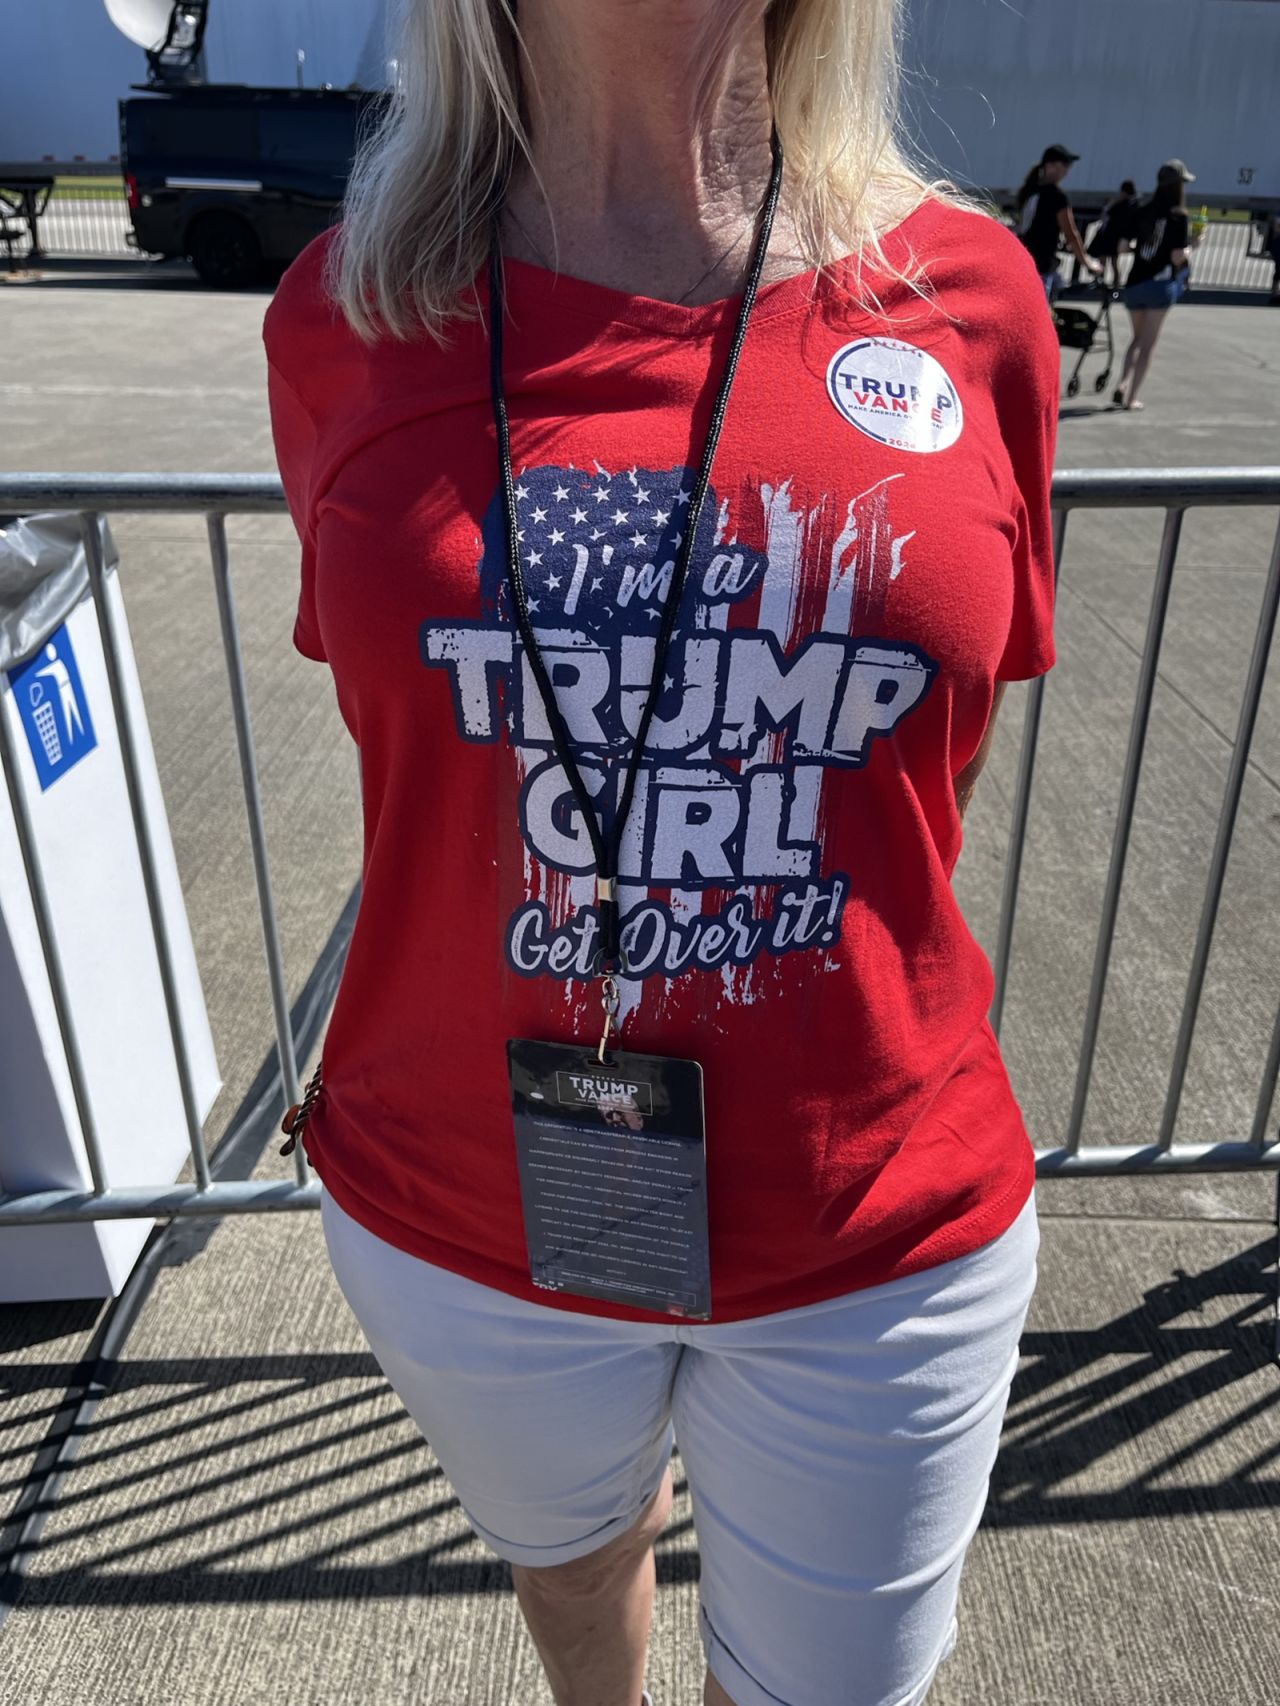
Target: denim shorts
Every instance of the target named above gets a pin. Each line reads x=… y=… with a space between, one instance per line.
x=1154 y=293
x=837 y=1455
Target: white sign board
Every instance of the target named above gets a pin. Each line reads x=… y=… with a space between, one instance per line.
x=59 y=715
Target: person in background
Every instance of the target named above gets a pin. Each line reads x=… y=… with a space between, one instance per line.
x=1044 y=215
x=1159 y=274
x=1114 y=229
x=1272 y=243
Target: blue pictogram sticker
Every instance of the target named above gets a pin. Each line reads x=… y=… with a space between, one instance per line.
x=55 y=713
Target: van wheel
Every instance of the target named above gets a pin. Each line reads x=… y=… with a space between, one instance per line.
x=224 y=251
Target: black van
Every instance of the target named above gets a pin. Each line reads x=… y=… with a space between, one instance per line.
x=234 y=178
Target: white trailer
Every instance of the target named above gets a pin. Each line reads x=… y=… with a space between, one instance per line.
x=1125 y=84
x=66 y=64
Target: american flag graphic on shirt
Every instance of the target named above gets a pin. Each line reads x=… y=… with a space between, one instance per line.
x=774 y=677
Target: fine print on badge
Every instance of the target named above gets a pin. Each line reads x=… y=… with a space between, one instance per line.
x=613 y=1175
x=896 y=394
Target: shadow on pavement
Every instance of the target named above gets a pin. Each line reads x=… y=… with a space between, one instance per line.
x=1081 y=1397
x=25 y=1324
x=191 y=1469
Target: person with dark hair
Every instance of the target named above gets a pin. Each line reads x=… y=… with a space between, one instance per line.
x=1114 y=229
x=1159 y=274
x=1044 y=215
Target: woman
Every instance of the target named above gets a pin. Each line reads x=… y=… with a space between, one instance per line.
x=1114 y=229
x=1044 y=215
x=673 y=492
x=1158 y=274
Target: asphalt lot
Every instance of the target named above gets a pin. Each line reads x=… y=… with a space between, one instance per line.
x=250 y=1517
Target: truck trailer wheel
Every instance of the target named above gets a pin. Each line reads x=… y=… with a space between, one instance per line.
x=224 y=251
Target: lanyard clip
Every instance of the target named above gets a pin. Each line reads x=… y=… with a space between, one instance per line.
x=610 y=1000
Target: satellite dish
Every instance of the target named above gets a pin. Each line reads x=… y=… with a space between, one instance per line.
x=143 y=21
x=171 y=31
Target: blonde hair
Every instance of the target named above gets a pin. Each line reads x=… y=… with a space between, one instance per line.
x=427 y=181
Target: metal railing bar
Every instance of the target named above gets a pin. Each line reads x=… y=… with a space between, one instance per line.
x=192 y=494
x=1021 y=809
x=142 y=832
x=283 y=1196
x=1222 y=845
x=43 y=910
x=1073 y=488
x=1267 y=1090
x=1098 y=1160
x=229 y=1196
x=221 y=560
x=1164 y=488
x=1124 y=820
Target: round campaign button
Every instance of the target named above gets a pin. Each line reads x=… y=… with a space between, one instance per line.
x=896 y=394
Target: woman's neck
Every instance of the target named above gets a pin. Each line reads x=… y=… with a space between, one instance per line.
x=649 y=125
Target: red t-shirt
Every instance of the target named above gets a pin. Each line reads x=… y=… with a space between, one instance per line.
x=874 y=554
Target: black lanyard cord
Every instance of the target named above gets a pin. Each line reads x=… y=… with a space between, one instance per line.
x=606 y=852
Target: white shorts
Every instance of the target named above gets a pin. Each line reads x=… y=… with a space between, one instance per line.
x=837 y=1455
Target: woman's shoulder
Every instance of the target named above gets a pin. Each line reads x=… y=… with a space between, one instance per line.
x=983 y=279
x=971 y=231
x=976 y=265
x=303 y=324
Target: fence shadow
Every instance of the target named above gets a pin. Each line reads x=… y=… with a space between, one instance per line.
x=282 y=1477
x=25 y=1324
x=1192 y=1396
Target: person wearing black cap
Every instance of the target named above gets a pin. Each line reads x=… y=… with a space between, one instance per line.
x=1044 y=215
x=1159 y=274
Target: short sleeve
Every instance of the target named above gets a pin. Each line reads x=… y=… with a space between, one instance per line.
x=1179 y=229
x=295 y=440
x=1027 y=384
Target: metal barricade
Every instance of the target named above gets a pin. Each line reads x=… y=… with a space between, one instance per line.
x=1231 y=255
x=69 y=211
x=217 y=496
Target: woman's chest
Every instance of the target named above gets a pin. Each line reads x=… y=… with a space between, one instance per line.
x=855 y=528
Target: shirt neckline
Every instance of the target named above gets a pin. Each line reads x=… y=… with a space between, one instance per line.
x=533 y=287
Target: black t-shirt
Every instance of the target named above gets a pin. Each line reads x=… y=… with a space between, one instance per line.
x=1038 y=226
x=1114 y=227
x=1157 y=235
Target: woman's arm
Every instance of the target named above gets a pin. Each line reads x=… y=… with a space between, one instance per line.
x=1067 y=226
x=1181 y=253
x=966 y=781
